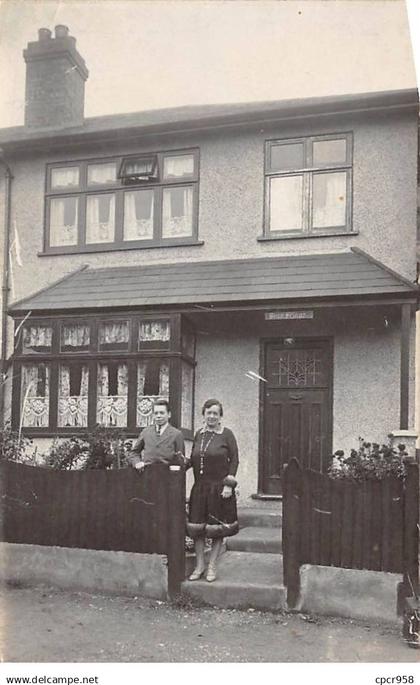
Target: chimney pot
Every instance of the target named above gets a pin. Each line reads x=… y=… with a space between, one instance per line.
x=61 y=31
x=44 y=34
x=55 y=80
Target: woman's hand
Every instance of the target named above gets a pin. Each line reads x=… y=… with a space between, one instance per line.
x=226 y=492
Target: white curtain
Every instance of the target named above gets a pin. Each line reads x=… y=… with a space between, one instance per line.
x=164 y=379
x=37 y=336
x=63 y=221
x=186 y=396
x=114 y=332
x=154 y=330
x=145 y=402
x=35 y=393
x=138 y=215
x=100 y=218
x=101 y=173
x=177 y=212
x=176 y=167
x=65 y=176
x=112 y=409
x=73 y=409
x=75 y=335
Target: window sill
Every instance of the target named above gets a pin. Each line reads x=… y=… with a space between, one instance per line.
x=305 y=236
x=51 y=252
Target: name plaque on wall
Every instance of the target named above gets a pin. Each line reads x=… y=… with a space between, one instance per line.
x=276 y=316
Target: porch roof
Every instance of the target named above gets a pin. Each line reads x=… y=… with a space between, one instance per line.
x=279 y=279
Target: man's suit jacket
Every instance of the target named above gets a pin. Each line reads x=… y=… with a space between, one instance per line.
x=157 y=448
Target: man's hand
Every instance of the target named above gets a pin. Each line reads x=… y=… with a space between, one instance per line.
x=140 y=465
x=226 y=492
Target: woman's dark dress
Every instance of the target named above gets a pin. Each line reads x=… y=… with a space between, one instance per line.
x=209 y=514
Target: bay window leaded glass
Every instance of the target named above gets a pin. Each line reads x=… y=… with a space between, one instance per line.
x=36 y=339
x=73 y=386
x=187 y=389
x=75 y=337
x=71 y=374
x=154 y=334
x=112 y=393
x=35 y=395
x=114 y=335
x=152 y=384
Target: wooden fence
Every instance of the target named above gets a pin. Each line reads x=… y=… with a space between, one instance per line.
x=108 y=510
x=371 y=525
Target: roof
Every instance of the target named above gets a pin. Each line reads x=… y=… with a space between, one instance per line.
x=235 y=281
x=203 y=116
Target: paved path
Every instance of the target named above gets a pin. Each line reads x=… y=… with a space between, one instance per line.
x=45 y=625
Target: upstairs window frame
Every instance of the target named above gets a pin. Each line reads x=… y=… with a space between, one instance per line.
x=163 y=192
x=304 y=173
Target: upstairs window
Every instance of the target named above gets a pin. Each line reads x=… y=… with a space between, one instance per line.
x=125 y=202
x=308 y=186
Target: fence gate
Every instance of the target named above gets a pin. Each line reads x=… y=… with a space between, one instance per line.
x=369 y=525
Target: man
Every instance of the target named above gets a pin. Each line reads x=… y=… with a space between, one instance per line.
x=160 y=442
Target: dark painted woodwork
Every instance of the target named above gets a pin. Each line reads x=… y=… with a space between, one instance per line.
x=405 y=365
x=296 y=408
x=370 y=525
x=120 y=510
x=278 y=279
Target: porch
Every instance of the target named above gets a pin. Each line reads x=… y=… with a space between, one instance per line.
x=305 y=353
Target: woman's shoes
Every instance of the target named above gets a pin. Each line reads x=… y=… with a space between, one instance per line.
x=196 y=574
x=211 y=574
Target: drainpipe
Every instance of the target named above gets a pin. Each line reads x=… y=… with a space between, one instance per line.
x=5 y=284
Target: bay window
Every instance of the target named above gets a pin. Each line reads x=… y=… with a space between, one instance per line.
x=124 y=202
x=71 y=374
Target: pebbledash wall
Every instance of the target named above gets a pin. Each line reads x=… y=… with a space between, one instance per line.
x=231 y=198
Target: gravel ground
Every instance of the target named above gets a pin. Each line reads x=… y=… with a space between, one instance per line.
x=48 y=625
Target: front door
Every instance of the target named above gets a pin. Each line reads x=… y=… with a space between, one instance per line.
x=296 y=407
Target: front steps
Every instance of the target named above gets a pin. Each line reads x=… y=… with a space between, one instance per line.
x=250 y=568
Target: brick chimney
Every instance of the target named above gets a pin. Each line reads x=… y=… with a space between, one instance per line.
x=55 y=81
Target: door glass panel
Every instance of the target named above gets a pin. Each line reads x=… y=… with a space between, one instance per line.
x=297 y=368
x=73 y=385
x=35 y=395
x=329 y=152
x=288 y=157
x=138 y=215
x=286 y=198
x=329 y=200
x=112 y=392
x=152 y=384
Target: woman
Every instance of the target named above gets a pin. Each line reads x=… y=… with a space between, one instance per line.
x=212 y=506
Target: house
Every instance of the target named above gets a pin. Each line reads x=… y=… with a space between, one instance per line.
x=261 y=253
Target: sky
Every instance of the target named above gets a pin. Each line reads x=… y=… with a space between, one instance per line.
x=145 y=54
